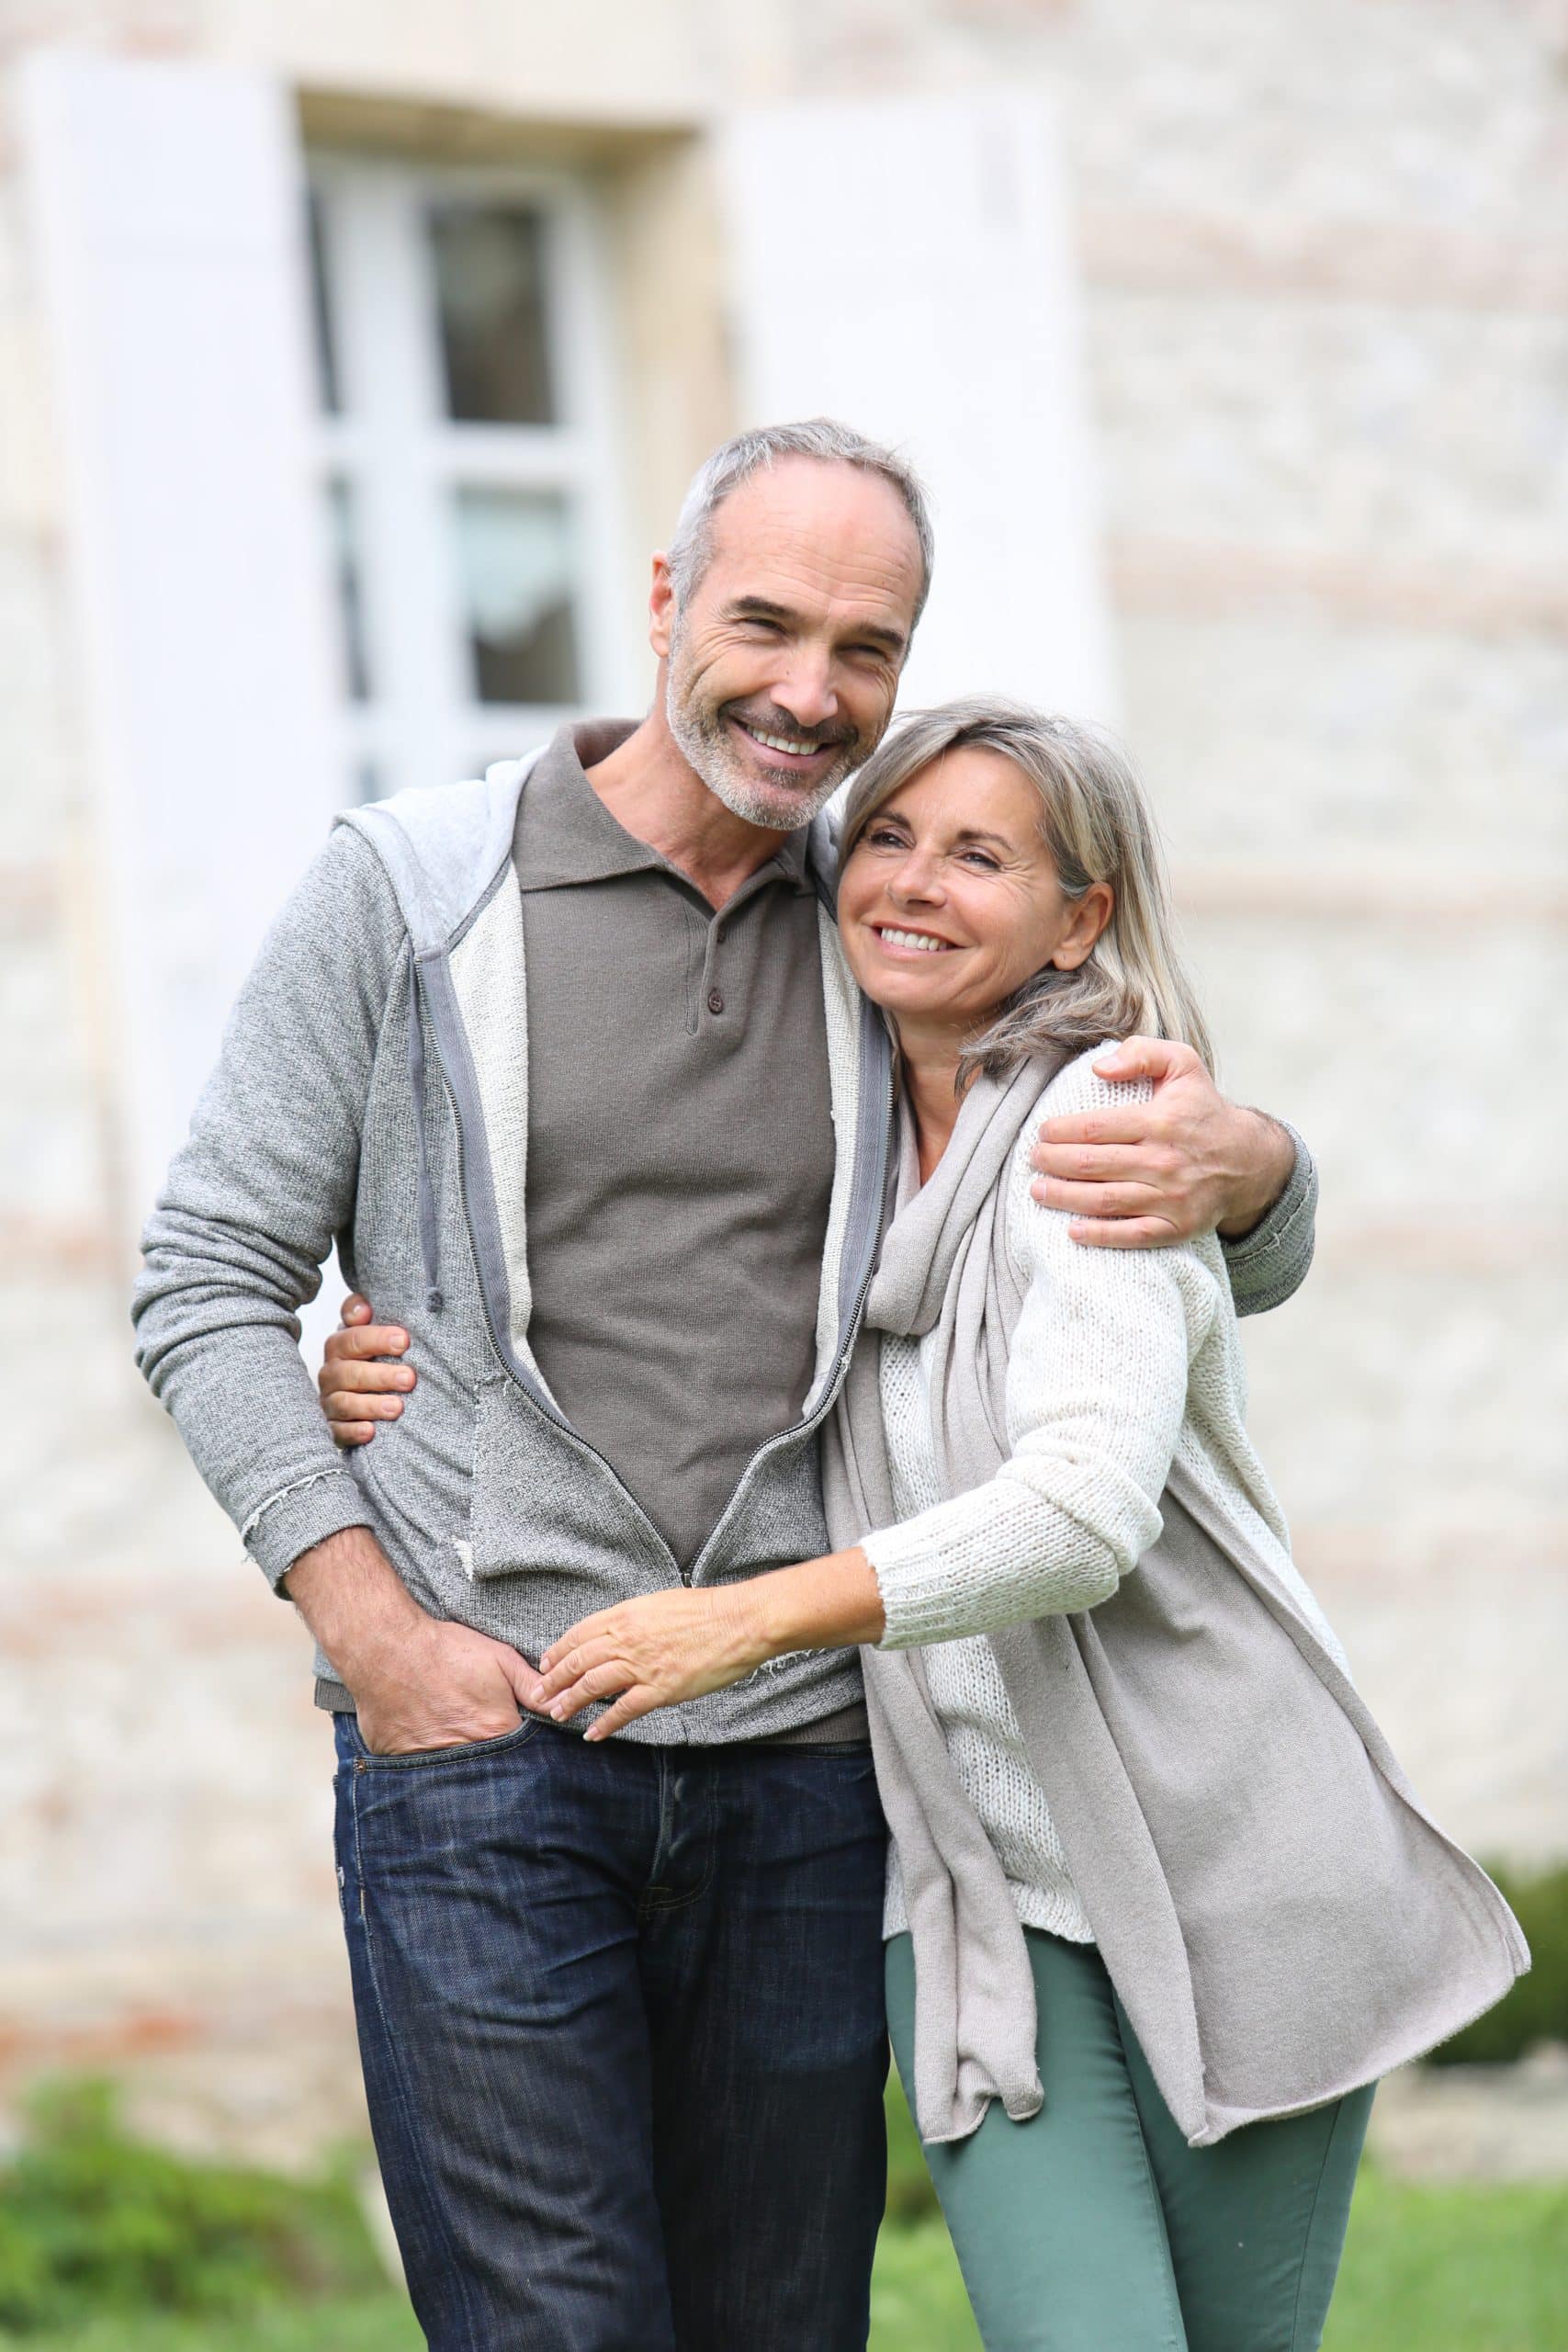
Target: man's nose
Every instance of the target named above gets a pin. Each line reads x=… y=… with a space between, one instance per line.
x=806 y=691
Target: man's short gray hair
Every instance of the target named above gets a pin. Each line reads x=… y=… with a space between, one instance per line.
x=819 y=437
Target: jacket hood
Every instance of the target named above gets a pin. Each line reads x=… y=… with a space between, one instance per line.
x=444 y=847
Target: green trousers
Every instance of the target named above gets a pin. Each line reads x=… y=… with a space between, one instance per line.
x=1094 y=2227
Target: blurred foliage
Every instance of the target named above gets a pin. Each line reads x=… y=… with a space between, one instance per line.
x=93 y=2221
x=910 y=2196
x=1536 y=2008
x=107 y=2245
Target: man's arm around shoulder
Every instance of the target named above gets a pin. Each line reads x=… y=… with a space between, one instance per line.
x=1184 y=1161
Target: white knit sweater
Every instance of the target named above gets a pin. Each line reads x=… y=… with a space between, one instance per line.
x=1122 y=1359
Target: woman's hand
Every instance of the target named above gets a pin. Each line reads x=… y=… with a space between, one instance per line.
x=679 y=1645
x=356 y=1391
x=653 y=1653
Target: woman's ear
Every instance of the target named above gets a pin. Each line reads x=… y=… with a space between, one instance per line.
x=1086 y=925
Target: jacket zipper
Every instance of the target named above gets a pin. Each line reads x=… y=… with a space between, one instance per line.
x=505 y=1354
x=840 y=1363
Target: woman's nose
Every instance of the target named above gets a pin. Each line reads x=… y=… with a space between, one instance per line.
x=916 y=879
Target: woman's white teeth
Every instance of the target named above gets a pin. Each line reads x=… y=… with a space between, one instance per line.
x=912 y=939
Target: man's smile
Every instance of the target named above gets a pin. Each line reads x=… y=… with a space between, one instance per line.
x=789 y=752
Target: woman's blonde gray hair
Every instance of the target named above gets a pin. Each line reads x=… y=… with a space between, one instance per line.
x=1096 y=823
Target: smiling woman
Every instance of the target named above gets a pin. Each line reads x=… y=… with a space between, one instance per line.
x=950 y=904
x=1038 y=844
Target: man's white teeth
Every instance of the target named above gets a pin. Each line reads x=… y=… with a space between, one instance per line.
x=781 y=743
x=913 y=939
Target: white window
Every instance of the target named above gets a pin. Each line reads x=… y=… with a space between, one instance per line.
x=466 y=464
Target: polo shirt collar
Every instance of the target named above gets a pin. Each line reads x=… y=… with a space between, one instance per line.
x=565 y=834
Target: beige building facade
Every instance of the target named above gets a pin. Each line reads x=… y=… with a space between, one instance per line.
x=352 y=359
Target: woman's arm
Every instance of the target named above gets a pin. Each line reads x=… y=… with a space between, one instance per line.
x=667 y=1646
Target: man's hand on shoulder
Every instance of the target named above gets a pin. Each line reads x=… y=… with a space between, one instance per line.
x=417 y=1681
x=1144 y=1175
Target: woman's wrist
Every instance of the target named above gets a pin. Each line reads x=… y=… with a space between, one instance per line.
x=828 y=1603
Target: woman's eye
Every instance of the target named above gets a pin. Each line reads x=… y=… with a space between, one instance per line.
x=983 y=858
x=883 y=837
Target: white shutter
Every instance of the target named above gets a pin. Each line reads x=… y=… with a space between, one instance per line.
x=906 y=266
x=167 y=203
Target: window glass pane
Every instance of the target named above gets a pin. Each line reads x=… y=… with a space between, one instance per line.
x=348 y=572
x=321 y=309
x=517 y=565
x=489 y=278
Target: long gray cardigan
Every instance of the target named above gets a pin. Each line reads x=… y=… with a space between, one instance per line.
x=1283 y=1920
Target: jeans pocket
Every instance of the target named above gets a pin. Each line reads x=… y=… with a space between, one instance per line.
x=423 y=1759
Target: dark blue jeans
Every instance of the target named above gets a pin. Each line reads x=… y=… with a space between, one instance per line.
x=622 y=2021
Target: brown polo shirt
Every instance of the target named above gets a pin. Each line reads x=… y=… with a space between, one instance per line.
x=680 y=1143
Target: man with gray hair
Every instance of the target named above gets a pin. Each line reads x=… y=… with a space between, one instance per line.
x=568 y=1065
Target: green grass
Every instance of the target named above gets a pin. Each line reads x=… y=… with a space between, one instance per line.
x=1452 y=2269
x=382 y=2321
x=279 y=2266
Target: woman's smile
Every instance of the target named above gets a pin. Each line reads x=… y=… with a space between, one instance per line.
x=901 y=941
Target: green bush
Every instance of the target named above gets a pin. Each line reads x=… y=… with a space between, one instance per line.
x=1536 y=2008
x=92 y=2222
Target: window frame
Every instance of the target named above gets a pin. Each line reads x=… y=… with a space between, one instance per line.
x=402 y=457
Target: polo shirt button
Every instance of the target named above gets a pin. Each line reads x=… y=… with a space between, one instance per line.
x=715 y=1000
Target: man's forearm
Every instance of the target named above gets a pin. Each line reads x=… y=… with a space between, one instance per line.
x=354 y=1601
x=1261 y=1175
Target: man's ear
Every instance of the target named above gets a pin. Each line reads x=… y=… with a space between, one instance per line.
x=662 y=608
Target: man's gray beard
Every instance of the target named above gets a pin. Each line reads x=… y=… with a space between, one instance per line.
x=704 y=743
